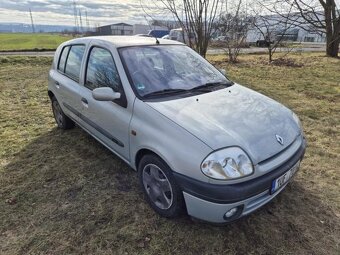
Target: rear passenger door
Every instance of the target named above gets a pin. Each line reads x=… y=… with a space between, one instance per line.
x=107 y=120
x=67 y=79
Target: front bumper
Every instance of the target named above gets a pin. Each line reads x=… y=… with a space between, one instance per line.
x=213 y=212
x=210 y=202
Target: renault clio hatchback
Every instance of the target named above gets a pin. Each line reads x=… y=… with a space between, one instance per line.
x=200 y=143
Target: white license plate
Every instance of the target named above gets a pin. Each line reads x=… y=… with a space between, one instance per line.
x=283 y=179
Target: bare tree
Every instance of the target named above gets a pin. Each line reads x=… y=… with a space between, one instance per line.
x=234 y=25
x=273 y=29
x=321 y=16
x=196 y=18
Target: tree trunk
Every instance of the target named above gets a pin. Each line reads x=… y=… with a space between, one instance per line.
x=332 y=32
x=333 y=41
x=231 y=55
x=270 y=54
x=332 y=49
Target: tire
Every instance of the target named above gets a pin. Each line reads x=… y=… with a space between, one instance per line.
x=61 y=119
x=159 y=187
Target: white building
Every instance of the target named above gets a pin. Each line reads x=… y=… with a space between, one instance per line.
x=144 y=29
x=275 y=27
x=127 y=29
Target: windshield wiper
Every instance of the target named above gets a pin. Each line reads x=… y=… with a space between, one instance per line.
x=208 y=85
x=165 y=92
x=205 y=88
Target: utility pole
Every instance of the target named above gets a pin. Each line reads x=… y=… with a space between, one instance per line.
x=32 y=23
x=81 y=22
x=87 y=22
x=75 y=16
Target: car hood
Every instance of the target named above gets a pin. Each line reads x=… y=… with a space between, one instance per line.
x=235 y=116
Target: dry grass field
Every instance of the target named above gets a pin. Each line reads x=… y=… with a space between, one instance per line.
x=26 y=41
x=61 y=192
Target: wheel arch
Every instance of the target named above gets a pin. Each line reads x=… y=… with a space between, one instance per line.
x=50 y=94
x=145 y=151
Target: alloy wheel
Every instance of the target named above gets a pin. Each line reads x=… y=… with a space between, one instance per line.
x=157 y=186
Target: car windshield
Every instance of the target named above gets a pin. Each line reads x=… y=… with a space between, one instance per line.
x=168 y=68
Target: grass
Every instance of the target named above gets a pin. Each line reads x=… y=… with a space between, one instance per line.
x=64 y=193
x=38 y=41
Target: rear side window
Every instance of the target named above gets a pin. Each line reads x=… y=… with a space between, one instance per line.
x=62 y=60
x=73 y=63
x=102 y=71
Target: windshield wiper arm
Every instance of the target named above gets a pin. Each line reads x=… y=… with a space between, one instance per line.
x=165 y=92
x=204 y=87
x=212 y=84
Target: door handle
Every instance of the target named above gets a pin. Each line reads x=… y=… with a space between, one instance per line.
x=85 y=102
x=57 y=84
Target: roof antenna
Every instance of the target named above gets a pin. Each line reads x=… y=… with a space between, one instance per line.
x=157 y=42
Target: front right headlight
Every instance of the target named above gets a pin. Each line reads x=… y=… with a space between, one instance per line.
x=226 y=164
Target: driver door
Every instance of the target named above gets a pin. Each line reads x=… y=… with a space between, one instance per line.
x=108 y=121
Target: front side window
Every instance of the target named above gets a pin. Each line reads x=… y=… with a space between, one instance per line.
x=167 y=68
x=73 y=63
x=102 y=71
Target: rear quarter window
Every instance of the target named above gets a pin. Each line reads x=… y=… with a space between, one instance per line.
x=62 y=59
x=73 y=62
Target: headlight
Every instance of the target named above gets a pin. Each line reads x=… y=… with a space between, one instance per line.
x=226 y=164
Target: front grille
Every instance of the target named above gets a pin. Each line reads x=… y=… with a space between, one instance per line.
x=280 y=153
x=283 y=157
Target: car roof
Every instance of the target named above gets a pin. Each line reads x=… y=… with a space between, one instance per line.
x=124 y=41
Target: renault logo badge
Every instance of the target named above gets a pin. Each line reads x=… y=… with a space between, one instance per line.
x=279 y=139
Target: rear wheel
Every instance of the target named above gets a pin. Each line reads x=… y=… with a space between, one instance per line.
x=159 y=187
x=61 y=119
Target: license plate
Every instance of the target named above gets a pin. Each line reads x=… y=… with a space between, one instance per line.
x=283 y=179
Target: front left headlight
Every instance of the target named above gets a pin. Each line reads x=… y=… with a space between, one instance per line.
x=226 y=164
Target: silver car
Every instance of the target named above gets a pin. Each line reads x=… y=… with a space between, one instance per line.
x=200 y=143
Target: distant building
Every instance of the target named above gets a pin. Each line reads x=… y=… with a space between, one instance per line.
x=278 y=28
x=140 y=29
x=115 y=29
x=127 y=29
x=294 y=34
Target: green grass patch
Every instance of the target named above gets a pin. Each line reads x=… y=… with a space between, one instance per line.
x=38 y=41
x=61 y=192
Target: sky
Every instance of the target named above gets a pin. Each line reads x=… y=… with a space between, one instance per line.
x=61 y=12
x=99 y=12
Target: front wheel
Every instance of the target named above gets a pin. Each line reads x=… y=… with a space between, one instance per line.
x=159 y=187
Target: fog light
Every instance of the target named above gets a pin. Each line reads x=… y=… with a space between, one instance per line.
x=231 y=212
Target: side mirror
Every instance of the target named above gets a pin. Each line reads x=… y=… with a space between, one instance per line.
x=105 y=94
x=223 y=71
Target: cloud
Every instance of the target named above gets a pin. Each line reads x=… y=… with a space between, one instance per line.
x=61 y=12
